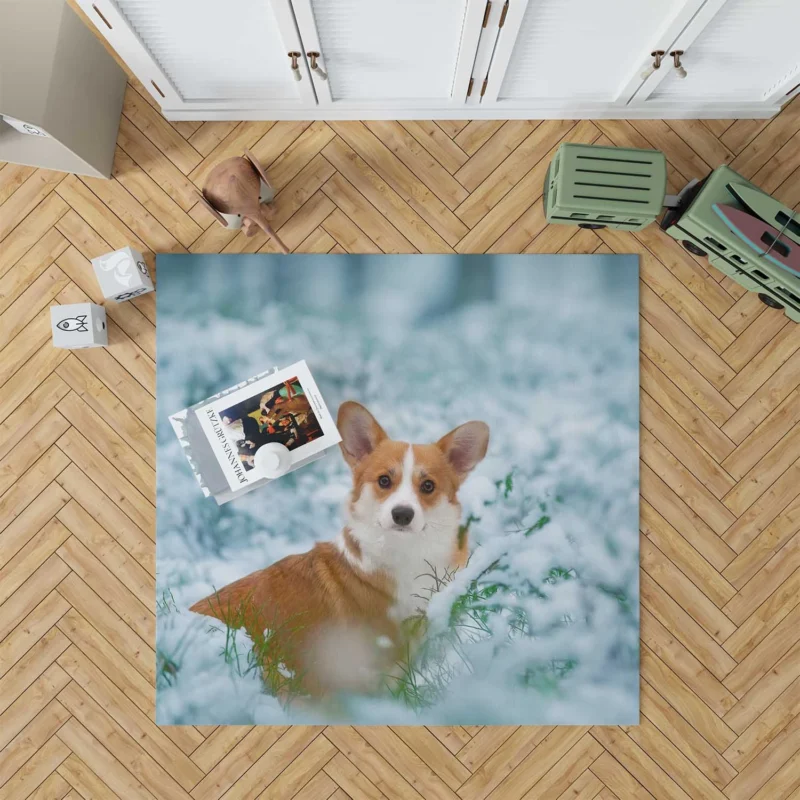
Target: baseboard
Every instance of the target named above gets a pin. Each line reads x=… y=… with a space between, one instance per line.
x=699 y=111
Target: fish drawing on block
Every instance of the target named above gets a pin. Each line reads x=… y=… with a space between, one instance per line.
x=761 y=237
x=77 y=324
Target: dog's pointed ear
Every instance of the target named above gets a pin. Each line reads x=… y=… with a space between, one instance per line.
x=465 y=446
x=360 y=432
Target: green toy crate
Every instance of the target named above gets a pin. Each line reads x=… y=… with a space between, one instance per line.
x=598 y=187
x=702 y=232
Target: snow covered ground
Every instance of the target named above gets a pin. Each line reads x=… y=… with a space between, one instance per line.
x=542 y=348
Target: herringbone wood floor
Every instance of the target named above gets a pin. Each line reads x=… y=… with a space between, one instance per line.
x=720 y=403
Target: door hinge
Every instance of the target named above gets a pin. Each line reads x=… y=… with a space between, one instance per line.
x=469 y=88
x=486 y=13
x=503 y=15
x=483 y=88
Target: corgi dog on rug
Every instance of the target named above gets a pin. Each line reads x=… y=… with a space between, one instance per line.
x=331 y=619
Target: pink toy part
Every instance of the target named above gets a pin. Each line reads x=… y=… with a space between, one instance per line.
x=769 y=209
x=764 y=239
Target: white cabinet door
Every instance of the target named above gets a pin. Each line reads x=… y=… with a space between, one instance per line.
x=207 y=54
x=747 y=51
x=578 y=54
x=390 y=54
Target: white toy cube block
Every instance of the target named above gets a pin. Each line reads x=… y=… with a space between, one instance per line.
x=78 y=325
x=122 y=274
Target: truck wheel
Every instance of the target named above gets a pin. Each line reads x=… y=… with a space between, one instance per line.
x=592 y=226
x=769 y=301
x=694 y=249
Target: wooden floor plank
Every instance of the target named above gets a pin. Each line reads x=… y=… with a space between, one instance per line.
x=101 y=762
x=643 y=768
x=685 y=737
x=402 y=180
x=18 y=279
x=31 y=230
x=669 y=757
x=83 y=781
x=491 y=154
x=384 y=198
x=129 y=645
x=119 y=724
x=353 y=204
x=686 y=449
x=429 y=171
x=34 y=736
x=776 y=719
x=36 y=771
x=108 y=515
x=699 y=607
x=298 y=154
x=20 y=204
x=152 y=197
x=104 y=656
x=767 y=397
x=12 y=176
x=685 y=413
x=276 y=141
x=209 y=135
x=159 y=131
x=109 y=480
x=765 y=693
x=756 y=623
x=437 y=143
x=684 y=375
x=236 y=763
x=766 y=509
x=31 y=593
x=501 y=181
x=144 y=153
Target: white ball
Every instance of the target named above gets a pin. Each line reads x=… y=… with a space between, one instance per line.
x=273 y=460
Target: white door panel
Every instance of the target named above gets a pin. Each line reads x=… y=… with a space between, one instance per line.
x=746 y=52
x=390 y=52
x=230 y=54
x=583 y=50
x=580 y=53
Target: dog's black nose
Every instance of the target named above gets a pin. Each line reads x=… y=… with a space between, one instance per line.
x=402 y=515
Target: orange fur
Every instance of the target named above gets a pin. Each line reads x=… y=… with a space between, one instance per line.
x=298 y=596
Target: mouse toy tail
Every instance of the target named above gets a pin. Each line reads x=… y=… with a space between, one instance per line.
x=263 y=223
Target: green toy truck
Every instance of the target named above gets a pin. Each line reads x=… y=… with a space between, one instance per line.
x=605 y=187
x=598 y=187
x=702 y=232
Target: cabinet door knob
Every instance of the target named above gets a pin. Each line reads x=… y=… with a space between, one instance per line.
x=657 y=56
x=315 y=68
x=295 y=65
x=676 y=58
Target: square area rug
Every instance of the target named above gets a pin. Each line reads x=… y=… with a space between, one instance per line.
x=488 y=575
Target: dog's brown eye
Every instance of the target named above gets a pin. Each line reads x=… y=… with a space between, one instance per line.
x=384 y=481
x=428 y=486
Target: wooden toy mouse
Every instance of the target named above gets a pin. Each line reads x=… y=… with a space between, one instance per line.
x=234 y=194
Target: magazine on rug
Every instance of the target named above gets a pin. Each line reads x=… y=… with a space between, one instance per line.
x=223 y=434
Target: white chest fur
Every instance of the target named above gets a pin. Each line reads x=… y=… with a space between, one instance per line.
x=416 y=562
